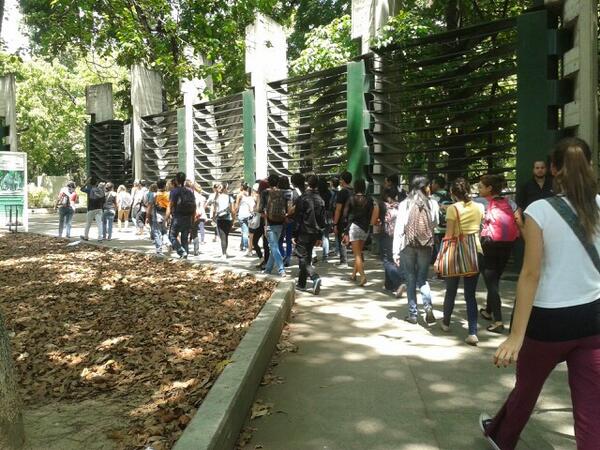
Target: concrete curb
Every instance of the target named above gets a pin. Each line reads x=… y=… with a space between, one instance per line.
x=219 y=420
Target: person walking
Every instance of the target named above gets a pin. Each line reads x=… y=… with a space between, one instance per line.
x=109 y=210
x=210 y=205
x=223 y=217
x=65 y=204
x=557 y=314
x=124 y=201
x=498 y=235
x=360 y=213
x=394 y=278
x=310 y=218
x=158 y=203
x=95 y=201
x=327 y=195
x=244 y=209
x=198 y=233
x=275 y=210
x=416 y=219
x=291 y=197
x=181 y=211
x=339 y=226
x=463 y=217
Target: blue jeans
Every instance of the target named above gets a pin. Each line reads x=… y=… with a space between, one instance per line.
x=180 y=225
x=287 y=253
x=108 y=218
x=415 y=262
x=470 y=286
x=275 y=258
x=325 y=242
x=65 y=219
x=245 y=233
x=157 y=230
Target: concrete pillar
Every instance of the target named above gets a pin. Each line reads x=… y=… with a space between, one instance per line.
x=266 y=61
x=580 y=64
x=8 y=108
x=146 y=99
x=99 y=102
x=369 y=17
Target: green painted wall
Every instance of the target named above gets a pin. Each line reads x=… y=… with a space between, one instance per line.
x=358 y=120
x=539 y=92
x=249 y=137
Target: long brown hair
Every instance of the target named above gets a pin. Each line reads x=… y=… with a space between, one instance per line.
x=571 y=159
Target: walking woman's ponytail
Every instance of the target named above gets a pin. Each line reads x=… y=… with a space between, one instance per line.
x=574 y=177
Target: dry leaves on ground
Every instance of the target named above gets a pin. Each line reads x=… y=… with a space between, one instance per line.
x=148 y=333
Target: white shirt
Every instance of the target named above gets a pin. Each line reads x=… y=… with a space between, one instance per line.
x=568 y=276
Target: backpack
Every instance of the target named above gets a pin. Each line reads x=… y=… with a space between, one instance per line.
x=499 y=221
x=389 y=221
x=96 y=193
x=276 y=206
x=161 y=201
x=186 y=203
x=419 y=226
x=64 y=200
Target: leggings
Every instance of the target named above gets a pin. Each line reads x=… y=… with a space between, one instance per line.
x=495 y=257
x=537 y=360
x=258 y=233
x=224 y=227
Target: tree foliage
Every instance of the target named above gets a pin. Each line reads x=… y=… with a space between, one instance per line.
x=51 y=113
x=326 y=47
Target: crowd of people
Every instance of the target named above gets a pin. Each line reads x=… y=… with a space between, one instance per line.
x=556 y=317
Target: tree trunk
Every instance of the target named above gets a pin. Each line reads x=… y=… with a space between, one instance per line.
x=12 y=433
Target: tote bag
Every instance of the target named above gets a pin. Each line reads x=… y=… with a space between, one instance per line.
x=458 y=255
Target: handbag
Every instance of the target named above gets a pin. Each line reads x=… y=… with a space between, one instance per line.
x=569 y=216
x=458 y=255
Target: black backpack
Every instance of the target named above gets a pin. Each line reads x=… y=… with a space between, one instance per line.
x=186 y=202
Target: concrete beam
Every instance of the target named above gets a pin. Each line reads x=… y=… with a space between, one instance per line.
x=99 y=102
x=266 y=61
x=146 y=99
x=369 y=17
x=8 y=108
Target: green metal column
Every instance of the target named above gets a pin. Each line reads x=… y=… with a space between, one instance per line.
x=358 y=118
x=540 y=93
x=249 y=137
x=87 y=150
x=181 y=135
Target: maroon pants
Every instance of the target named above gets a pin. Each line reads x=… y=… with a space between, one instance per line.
x=536 y=361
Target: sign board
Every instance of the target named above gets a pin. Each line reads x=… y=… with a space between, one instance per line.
x=13 y=190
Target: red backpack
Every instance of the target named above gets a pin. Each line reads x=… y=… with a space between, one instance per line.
x=499 y=221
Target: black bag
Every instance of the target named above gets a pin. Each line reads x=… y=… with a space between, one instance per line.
x=186 y=202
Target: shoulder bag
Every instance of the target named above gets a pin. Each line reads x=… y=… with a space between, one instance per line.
x=458 y=255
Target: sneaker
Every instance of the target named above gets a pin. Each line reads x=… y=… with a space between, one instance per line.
x=429 y=316
x=300 y=288
x=99 y=241
x=400 y=291
x=342 y=265
x=283 y=275
x=224 y=257
x=249 y=253
x=484 y=422
x=83 y=238
x=444 y=327
x=411 y=319
x=472 y=340
x=317 y=286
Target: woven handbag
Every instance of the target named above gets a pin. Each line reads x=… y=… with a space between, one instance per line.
x=458 y=255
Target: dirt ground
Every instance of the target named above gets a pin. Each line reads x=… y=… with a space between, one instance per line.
x=116 y=350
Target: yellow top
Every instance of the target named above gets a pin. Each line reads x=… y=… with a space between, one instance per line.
x=471 y=216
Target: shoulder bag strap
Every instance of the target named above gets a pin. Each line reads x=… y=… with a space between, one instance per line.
x=564 y=210
x=460 y=233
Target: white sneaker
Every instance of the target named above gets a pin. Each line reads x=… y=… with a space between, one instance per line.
x=472 y=339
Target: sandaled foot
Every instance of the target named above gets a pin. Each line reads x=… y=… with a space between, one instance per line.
x=495 y=328
x=486 y=315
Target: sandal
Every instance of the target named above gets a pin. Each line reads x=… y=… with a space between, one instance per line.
x=486 y=315
x=496 y=328
x=353 y=277
x=363 y=281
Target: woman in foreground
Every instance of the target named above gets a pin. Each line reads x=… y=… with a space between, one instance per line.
x=557 y=314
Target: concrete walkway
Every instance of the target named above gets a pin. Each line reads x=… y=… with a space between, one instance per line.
x=362 y=378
